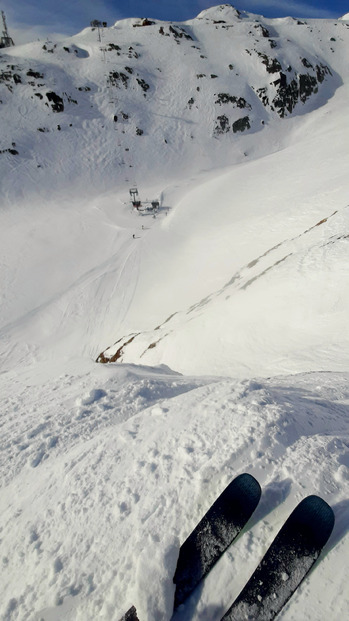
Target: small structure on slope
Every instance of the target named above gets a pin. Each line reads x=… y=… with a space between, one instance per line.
x=5 y=40
x=97 y=24
x=152 y=205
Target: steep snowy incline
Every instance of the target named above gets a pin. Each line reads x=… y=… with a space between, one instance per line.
x=68 y=273
x=213 y=230
x=259 y=257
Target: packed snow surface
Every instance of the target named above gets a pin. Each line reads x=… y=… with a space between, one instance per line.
x=226 y=313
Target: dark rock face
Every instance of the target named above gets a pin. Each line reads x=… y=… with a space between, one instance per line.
x=112 y=46
x=287 y=95
x=272 y=64
x=115 y=77
x=291 y=86
x=179 y=33
x=302 y=87
x=222 y=125
x=225 y=98
x=306 y=63
x=144 y=22
x=298 y=87
x=307 y=86
x=56 y=101
x=241 y=124
x=142 y=83
x=9 y=75
x=262 y=31
x=12 y=151
x=35 y=74
x=321 y=72
x=263 y=95
x=222 y=121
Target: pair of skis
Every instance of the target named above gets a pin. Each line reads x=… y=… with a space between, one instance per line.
x=285 y=565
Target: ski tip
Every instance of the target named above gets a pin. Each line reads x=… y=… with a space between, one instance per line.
x=244 y=484
x=248 y=479
x=130 y=615
x=314 y=514
x=237 y=502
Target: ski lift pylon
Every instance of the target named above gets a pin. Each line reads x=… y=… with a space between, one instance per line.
x=133 y=193
x=134 y=198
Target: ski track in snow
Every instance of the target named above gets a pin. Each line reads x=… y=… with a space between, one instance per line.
x=237 y=292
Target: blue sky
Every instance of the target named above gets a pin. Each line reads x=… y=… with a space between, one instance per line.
x=32 y=19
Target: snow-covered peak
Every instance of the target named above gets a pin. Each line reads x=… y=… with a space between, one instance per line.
x=221 y=12
x=345 y=17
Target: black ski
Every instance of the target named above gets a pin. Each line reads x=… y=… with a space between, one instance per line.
x=131 y=615
x=287 y=562
x=214 y=533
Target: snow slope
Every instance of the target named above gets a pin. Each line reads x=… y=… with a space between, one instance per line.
x=59 y=99
x=281 y=296
x=236 y=295
x=100 y=489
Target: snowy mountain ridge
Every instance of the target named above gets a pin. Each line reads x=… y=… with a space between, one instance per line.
x=142 y=85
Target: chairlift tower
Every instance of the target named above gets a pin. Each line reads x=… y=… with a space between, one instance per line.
x=135 y=198
x=133 y=194
x=5 y=40
x=97 y=24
